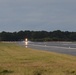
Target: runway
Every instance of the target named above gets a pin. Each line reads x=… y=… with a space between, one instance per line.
x=59 y=47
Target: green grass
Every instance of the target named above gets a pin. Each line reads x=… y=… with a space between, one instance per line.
x=18 y=60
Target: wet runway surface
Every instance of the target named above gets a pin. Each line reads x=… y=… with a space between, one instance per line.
x=59 y=47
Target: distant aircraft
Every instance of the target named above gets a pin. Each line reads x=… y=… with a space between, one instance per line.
x=26 y=41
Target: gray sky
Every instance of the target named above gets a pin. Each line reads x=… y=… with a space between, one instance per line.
x=48 y=15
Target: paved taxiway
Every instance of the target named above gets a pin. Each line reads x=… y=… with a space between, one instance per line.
x=59 y=47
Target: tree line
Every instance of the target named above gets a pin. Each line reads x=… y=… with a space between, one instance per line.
x=56 y=35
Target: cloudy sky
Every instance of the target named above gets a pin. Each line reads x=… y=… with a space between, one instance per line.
x=48 y=15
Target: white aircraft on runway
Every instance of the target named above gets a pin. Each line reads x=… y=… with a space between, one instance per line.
x=26 y=42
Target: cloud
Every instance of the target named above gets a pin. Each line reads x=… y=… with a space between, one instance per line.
x=38 y=14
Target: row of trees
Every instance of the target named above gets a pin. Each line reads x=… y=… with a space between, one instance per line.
x=38 y=36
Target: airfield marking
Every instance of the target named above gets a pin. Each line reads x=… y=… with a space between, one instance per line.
x=53 y=46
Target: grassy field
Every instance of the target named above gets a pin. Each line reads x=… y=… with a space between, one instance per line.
x=18 y=60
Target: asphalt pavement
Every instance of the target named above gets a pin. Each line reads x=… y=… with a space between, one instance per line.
x=59 y=47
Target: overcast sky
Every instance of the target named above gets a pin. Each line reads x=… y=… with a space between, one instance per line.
x=48 y=15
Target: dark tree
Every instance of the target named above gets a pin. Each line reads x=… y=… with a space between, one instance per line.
x=38 y=36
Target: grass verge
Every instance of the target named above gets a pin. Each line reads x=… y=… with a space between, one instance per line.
x=17 y=60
